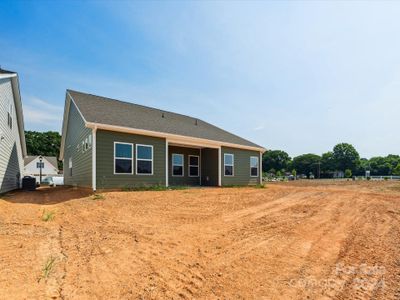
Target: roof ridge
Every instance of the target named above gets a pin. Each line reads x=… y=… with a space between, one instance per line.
x=141 y=105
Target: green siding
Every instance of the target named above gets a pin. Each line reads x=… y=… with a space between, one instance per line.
x=105 y=160
x=209 y=167
x=241 y=167
x=81 y=160
x=182 y=180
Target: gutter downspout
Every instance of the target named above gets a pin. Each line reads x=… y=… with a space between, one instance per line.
x=94 y=174
x=219 y=167
x=166 y=163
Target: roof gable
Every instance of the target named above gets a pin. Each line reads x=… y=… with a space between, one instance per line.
x=50 y=159
x=101 y=110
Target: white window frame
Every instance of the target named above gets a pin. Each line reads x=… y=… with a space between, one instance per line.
x=198 y=166
x=124 y=158
x=183 y=165
x=258 y=166
x=145 y=159
x=232 y=165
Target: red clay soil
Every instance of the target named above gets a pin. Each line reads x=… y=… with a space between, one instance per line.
x=288 y=241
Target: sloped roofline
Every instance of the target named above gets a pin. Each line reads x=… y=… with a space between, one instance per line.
x=30 y=158
x=170 y=137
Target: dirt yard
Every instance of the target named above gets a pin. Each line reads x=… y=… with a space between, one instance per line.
x=302 y=240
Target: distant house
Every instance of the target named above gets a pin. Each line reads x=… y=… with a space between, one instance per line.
x=49 y=166
x=108 y=143
x=12 y=135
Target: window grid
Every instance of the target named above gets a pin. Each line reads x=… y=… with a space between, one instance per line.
x=123 y=158
x=178 y=165
x=229 y=165
x=254 y=164
x=144 y=159
x=194 y=166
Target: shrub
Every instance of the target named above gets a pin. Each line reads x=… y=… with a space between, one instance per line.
x=98 y=197
x=47 y=268
x=47 y=216
x=348 y=173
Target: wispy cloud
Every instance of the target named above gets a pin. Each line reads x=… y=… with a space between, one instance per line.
x=38 y=112
x=258 y=128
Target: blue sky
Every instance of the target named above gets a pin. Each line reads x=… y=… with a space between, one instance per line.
x=297 y=76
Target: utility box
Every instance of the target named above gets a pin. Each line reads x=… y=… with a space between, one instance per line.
x=29 y=183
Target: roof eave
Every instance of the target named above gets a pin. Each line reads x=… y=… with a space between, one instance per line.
x=174 y=137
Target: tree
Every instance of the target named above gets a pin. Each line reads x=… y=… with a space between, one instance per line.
x=380 y=166
x=275 y=159
x=43 y=143
x=306 y=163
x=345 y=157
x=396 y=171
x=348 y=173
x=327 y=164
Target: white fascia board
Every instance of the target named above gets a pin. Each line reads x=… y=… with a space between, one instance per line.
x=173 y=138
x=68 y=101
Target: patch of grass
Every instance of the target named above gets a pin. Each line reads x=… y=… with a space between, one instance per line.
x=48 y=215
x=98 y=197
x=47 y=268
x=153 y=188
x=260 y=186
x=257 y=186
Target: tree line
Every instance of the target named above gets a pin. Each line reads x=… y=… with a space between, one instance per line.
x=343 y=158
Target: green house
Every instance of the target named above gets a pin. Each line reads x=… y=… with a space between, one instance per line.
x=109 y=143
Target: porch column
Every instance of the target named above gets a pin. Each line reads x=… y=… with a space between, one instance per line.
x=166 y=162
x=219 y=167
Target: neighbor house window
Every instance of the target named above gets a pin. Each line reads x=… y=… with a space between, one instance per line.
x=254 y=165
x=228 y=164
x=123 y=158
x=9 y=115
x=40 y=165
x=70 y=166
x=177 y=164
x=144 y=159
x=193 y=166
x=90 y=140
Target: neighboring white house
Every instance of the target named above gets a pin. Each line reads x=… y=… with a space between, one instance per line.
x=12 y=135
x=32 y=166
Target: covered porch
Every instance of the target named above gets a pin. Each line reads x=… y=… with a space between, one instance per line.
x=192 y=164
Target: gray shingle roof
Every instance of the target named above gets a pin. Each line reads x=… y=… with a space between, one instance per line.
x=50 y=159
x=6 y=72
x=97 y=109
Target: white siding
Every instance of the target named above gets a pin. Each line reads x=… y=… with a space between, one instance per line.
x=11 y=159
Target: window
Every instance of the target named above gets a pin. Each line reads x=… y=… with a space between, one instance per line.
x=123 y=158
x=254 y=166
x=177 y=164
x=90 y=140
x=144 y=159
x=193 y=166
x=70 y=166
x=83 y=146
x=40 y=165
x=86 y=144
x=228 y=164
x=10 y=115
